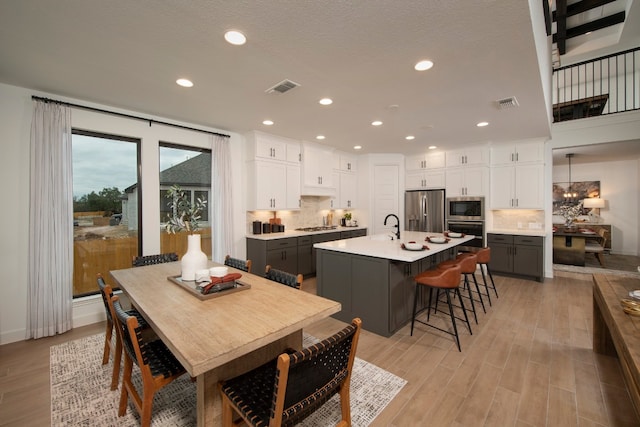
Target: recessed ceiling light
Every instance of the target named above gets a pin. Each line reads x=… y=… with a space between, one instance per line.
x=423 y=65
x=409 y=137
x=376 y=123
x=235 y=37
x=185 y=82
x=326 y=101
x=357 y=147
x=320 y=137
x=267 y=122
x=432 y=147
x=482 y=124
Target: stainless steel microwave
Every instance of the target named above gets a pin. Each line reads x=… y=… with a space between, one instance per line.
x=465 y=208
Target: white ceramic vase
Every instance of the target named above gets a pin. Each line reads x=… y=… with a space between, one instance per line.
x=194 y=259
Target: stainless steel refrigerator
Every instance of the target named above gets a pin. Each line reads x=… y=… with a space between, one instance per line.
x=424 y=210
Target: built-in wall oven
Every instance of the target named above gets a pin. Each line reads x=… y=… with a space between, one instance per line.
x=475 y=228
x=466 y=215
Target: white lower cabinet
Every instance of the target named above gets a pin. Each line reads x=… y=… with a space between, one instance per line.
x=517 y=187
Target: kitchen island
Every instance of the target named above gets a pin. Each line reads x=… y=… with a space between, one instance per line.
x=372 y=276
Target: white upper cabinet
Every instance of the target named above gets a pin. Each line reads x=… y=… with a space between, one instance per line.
x=517 y=187
x=317 y=169
x=273 y=172
x=425 y=161
x=471 y=181
x=518 y=153
x=345 y=162
x=272 y=147
x=475 y=156
x=424 y=179
x=345 y=180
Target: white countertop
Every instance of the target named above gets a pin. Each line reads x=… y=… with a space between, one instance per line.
x=381 y=246
x=518 y=232
x=297 y=233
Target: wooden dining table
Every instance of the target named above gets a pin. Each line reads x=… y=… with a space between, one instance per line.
x=225 y=336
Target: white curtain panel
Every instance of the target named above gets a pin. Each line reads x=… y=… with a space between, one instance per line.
x=221 y=206
x=50 y=276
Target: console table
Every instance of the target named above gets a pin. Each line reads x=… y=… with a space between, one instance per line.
x=616 y=333
x=568 y=248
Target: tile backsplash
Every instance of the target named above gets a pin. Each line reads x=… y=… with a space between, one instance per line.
x=312 y=209
x=518 y=219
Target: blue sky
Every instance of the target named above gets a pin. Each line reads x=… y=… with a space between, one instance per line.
x=100 y=163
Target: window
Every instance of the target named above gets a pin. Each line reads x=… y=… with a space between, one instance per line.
x=190 y=168
x=105 y=206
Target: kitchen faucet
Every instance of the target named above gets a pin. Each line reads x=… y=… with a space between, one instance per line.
x=396 y=226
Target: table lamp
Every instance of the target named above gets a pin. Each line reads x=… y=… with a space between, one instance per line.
x=595 y=204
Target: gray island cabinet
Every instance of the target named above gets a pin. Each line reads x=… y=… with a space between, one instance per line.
x=372 y=277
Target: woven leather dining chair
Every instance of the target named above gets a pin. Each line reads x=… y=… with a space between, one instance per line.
x=140 y=261
x=107 y=294
x=288 y=389
x=597 y=248
x=158 y=366
x=240 y=264
x=293 y=280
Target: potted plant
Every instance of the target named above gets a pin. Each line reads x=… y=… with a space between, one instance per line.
x=185 y=215
x=347 y=218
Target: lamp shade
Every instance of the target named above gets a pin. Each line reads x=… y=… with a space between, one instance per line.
x=593 y=202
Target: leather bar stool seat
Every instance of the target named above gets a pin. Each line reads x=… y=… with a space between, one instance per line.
x=447 y=280
x=467 y=262
x=484 y=258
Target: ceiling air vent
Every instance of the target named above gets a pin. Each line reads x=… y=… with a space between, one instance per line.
x=283 y=86
x=505 y=103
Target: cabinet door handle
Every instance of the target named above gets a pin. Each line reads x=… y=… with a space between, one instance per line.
x=517 y=157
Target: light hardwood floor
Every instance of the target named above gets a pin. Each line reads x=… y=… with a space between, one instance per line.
x=529 y=362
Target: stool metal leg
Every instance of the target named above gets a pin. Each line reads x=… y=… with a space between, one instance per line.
x=486 y=286
x=473 y=275
x=468 y=288
x=453 y=319
x=492 y=282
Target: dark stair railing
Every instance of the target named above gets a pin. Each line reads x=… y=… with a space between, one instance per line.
x=606 y=85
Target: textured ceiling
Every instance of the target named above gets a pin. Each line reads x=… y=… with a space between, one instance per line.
x=128 y=54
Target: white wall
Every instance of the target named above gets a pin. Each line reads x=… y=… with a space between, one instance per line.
x=15 y=123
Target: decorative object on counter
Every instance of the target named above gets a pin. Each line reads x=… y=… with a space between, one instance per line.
x=436 y=239
x=347 y=219
x=185 y=215
x=257 y=227
x=453 y=234
x=413 y=246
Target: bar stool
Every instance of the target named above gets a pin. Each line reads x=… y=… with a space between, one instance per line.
x=467 y=263
x=440 y=279
x=484 y=258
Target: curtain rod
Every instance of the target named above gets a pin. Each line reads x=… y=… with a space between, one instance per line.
x=128 y=116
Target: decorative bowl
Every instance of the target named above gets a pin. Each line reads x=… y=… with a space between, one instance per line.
x=218 y=271
x=455 y=235
x=413 y=246
x=435 y=239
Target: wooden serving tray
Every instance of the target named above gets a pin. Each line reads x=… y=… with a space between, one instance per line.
x=190 y=286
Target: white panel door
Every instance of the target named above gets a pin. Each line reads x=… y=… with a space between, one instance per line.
x=386 y=198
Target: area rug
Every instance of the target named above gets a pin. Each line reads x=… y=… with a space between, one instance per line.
x=80 y=394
